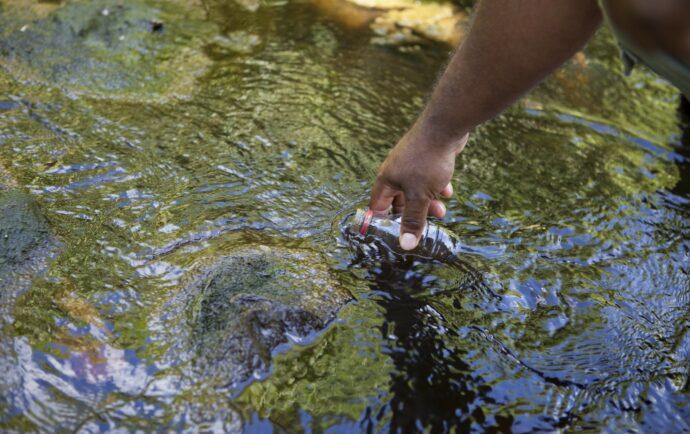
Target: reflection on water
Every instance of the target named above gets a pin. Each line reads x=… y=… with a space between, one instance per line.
x=424 y=392
x=569 y=308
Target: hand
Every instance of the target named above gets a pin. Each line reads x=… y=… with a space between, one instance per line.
x=410 y=180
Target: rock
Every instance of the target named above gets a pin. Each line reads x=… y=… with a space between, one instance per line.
x=399 y=22
x=105 y=49
x=23 y=229
x=385 y=4
x=439 y=22
x=347 y=13
x=249 y=5
x=242 y=307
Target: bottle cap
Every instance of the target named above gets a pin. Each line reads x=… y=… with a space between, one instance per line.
x=362 y=220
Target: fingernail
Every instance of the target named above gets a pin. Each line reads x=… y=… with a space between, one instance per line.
x=408 y=241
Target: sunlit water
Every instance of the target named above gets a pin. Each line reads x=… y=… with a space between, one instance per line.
x=570 y=307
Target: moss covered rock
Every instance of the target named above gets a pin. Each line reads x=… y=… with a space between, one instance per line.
x=101 y=48
x=246 y=304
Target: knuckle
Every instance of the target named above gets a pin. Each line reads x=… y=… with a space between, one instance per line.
x=385 y=181
x=417 y=197
x=412 y=222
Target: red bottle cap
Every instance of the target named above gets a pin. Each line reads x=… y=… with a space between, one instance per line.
x=365 y=221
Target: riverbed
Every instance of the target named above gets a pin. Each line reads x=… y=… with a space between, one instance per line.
x=159 y=135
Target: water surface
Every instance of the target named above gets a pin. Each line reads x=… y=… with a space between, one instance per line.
x=571 y=309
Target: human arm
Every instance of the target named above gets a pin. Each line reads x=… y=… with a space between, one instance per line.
x=512 y=46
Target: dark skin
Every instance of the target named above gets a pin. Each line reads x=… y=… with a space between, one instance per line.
x=662 y=24
x=512 y=46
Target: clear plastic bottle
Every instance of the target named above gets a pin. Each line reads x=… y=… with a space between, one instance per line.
x=435 y=243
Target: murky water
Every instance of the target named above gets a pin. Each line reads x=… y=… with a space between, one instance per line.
x=570 y=307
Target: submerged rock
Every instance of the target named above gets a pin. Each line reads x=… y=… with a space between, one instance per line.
x=23 y=229
x=109 y=49
x=25 y=243
x=246 y=304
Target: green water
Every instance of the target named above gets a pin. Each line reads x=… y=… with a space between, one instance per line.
x=150 y=152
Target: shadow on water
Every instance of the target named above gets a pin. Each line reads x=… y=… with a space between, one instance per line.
x=433 y=389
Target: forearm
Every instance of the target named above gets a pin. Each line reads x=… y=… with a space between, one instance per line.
x=512 y=46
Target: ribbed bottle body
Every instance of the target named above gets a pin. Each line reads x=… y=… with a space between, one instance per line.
x=435 y=243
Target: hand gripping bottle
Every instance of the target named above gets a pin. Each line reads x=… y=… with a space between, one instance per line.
x=435 y=243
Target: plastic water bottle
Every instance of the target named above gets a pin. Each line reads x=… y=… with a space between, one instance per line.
x=435 y=243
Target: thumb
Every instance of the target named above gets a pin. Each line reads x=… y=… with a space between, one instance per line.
x=413 y=221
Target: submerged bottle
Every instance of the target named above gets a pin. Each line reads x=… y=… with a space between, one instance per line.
x=435 y=243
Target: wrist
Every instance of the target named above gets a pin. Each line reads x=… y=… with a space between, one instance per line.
x=437 y=136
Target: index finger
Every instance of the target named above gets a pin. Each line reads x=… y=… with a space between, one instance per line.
x=382 y=197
